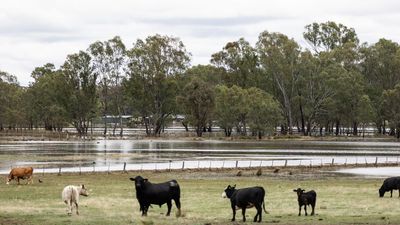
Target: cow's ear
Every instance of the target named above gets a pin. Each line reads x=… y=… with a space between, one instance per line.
x=83 y=186
x=132 y=179
x=145 y=180
x=294 y=190
x=303 y=190
x=234 y=186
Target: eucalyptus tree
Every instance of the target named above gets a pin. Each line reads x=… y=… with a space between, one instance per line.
x=210 y=74
x=324 y=37
x=381 y=69
x=390 y=102
x=279 y=58
x=240 y=62
x=10 y=96
x=45 y=98
x=230 y=104
x=108 y=59
x=313 y=91
x=198 y=103
x=151 y=88
x=80 y=84
x=337 y=48
x=264 y=112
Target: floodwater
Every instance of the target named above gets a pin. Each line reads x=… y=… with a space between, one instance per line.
x=110 y=155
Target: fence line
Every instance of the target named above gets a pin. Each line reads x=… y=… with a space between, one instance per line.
x=219 y=164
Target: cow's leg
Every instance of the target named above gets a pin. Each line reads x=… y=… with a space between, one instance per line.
x=258 y=215
x=169 y=205
x=18 y=180
x=146 y=208
x=76 y=205
x=299 y=210
x=30 y=180
x=313 y=207
x=391 y=193
x=233 y=213
x=69 y=207
x=178 y=206
x=244 y=214
x=305 y=209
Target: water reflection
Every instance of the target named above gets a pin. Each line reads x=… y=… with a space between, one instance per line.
x=146 y=153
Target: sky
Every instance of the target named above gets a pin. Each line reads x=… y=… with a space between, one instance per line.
x=33 y=33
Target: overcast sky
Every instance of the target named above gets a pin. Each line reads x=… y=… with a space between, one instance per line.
x=33 y=33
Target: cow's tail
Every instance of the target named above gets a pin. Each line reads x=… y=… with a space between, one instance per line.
x=176 y=193
x=264 y=207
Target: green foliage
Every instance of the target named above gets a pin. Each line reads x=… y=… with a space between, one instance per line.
x=328 y=36
x=80 y=87
x=198 y=103
x=230 y=104
x=392 y=107
x=264 y=111
x=279 y=57
x=240 y=61
x=153 y=65
x=46 y=99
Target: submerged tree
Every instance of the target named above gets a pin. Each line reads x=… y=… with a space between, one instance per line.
x=198 y=104
x=151 y=88
x=80 y=84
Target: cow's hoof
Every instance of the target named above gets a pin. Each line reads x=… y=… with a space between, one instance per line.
x=232 y=220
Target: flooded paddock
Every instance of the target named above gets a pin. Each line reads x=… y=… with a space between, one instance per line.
x=111 y=155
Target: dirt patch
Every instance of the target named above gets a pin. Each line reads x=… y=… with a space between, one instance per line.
x=4 y=220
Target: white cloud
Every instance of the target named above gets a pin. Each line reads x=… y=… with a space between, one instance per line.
x=33 y=33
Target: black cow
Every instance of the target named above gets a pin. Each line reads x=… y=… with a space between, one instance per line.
x=157 y=194
x=390 y=184
x=246 y=198
x=306 y=198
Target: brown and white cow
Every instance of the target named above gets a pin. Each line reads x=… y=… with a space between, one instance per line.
x=21 y=173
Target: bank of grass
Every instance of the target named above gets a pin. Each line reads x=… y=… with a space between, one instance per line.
x=341 y=200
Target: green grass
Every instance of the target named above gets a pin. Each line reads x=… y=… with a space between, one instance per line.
x=340 y=200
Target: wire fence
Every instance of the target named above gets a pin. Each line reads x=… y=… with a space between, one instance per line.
x=215 y=164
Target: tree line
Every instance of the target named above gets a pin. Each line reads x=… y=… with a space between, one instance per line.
x=334 y=85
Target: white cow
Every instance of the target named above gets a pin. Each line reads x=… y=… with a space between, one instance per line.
x=70 y=195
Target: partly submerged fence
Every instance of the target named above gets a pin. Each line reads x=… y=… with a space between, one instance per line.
x=216 y=164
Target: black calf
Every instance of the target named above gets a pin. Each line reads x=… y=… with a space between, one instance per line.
x=246 y=198
x=307 y=198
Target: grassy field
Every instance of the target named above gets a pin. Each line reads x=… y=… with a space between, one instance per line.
x=340 y=200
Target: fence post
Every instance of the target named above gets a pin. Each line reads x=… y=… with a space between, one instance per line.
x=345 y=162
x=223 y=164
x=43 y=170
x=109 y=168
x=286 y=163
x=80 y=170
x=366 y=163
x=333 y=161
x=169 y=166
x=94 y=167
x=250 y=164
x=59 y=171
x=124 y=168
x=183 y=165
x=237 y=163
x=272 y=163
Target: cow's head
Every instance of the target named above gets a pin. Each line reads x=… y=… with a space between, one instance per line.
x=228 y=191
x=83 y=191
x=8 y=179
x=299 y=191
x=381 y=192
x=139 y=181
